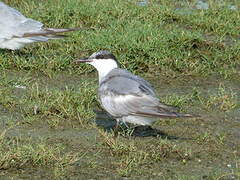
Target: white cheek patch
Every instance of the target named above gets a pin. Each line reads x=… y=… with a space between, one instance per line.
x=103 y=66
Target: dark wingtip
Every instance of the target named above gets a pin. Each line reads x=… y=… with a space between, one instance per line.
x=63 y=29
x=51 y=32
x=168 y=115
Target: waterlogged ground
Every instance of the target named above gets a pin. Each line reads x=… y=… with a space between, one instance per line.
x=51 y=143
x=52 y=126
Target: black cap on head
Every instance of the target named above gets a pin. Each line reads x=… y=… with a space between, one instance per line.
x=104 y=55
x=101 y=55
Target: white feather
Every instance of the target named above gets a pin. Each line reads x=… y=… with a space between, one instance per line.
x=103 y=66
x=16 y=30
x=13 y=25
x=139 y=120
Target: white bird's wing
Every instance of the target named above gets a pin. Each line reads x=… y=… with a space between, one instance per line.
x=122 y=93
x=16 y=30
x=14 y=24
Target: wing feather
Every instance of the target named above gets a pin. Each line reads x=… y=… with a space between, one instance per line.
x=122 y=94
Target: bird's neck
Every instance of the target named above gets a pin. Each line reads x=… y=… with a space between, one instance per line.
x=104 y=67
x=102 y=74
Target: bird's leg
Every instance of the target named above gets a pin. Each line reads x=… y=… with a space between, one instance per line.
x=126 y=124
x=116 y=129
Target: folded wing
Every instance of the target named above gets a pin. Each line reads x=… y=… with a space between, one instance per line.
x=126 y=94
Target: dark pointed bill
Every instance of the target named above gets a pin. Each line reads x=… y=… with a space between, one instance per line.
x=83 y=60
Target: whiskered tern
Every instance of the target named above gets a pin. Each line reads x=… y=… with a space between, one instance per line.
x=16 y=30
x=125 y=96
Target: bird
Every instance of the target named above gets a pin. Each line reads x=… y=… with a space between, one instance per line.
x=16 y=30
x=128 y=98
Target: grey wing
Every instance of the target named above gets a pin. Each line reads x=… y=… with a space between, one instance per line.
x=125 y=82
x=127 y=95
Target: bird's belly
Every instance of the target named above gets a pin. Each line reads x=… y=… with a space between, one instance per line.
x=17 y=43
x=110 y=106
x=14 y=43
x=138 y=120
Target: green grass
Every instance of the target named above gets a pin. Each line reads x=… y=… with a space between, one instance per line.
x=17 y=153
x=144 y=39
x=47 y=102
